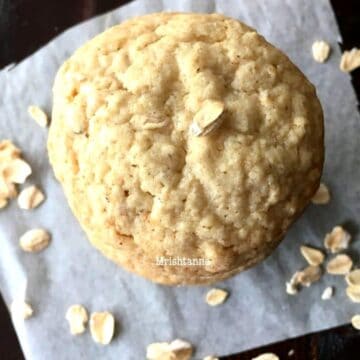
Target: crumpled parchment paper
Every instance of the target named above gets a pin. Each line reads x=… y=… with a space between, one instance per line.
x=71 y=271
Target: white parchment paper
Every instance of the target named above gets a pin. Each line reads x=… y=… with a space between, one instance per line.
x=71 y=271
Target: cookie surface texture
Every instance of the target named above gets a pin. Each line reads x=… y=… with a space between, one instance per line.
x=144 y=183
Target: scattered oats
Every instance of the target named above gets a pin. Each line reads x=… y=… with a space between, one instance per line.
x=35 y=240
x=291 y=352
x=211 y=358
x=8 y=151
x=13 y=170
x=77 y=317
x=216 y=297
x=291 y=288
x=327 y=293
x=337 y=240
x=7 y=190
x=176 y=350
x=158 y=351
x=267 y=356
x=3 y=202
x=309 y=275
x=295 y=278
x=38 y=115
x=320 y=51
x=350 y=60
x=208 y=118
x=179 y=344
x=182 y=349
x=339 y=265
x=21 y=310
x=312 y=256
x=102 y=326
x=155 y=351
x=353 y=293
x=355 y=321
x=322 y=195
x=17 y=171
x=30 y=198
x=353 y=278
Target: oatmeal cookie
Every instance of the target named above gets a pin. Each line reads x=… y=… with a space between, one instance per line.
x=185 y=135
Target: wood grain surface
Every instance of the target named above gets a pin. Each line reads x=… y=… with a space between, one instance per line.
x=26 y=25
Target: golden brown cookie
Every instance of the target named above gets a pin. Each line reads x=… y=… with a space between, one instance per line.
x=185 y=136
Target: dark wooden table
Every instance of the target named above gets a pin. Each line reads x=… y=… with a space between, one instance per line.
x=25 y=25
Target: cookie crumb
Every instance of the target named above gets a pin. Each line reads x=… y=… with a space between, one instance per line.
x=21 y=310
x=320 y=51
x=355 y=322
x=102 y=325
x=208 y=118
x=176 y=350
x=312 y=256
x=34 y=240
x=38 y=115
x=327 y=293
x=77 y=317
x=322 y=195
x=215 y=297
x=337 y=240
x=340 y=265
x=350 y=60
x=30 y=198
x=291 y=352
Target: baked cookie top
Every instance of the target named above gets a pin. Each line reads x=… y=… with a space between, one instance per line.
x=185 y=135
